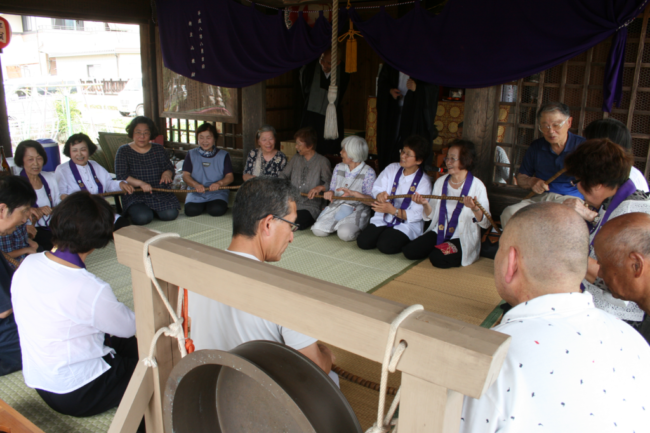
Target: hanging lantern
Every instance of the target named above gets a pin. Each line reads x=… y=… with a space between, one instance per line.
x=5 y=33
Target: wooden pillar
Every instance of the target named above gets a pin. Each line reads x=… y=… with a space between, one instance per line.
x=5 y=137
x=479 y=126
x=151 y=315
x=253 y=113
x=443 y=407
x=149 y=71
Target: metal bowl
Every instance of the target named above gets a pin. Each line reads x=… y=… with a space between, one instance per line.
x=260 y=386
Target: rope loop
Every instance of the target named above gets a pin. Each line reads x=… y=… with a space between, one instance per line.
x=174 y=329
x=392 y=355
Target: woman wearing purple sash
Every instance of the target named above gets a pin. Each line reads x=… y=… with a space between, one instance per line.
x=602 y=171
x=454 y=237
x=80 y=174
x=77 y=340
x=31 y=156
x=399 y=221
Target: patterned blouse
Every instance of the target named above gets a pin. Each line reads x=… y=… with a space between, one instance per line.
x=147 y=167
x=270 y=168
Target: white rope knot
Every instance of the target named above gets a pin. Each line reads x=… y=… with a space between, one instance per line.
x=392 y=355
x=174 y=329
x=331 y=94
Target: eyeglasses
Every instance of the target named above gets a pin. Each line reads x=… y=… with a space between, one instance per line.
x=555 y=127
x=294 y=227
x=447 y=159
x=403 y=152
x=574 y=182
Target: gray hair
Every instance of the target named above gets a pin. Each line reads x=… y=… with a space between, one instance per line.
x=258 y=198
x=554 y=241
x=266 y=128
x=554 y=106
x=356 y=148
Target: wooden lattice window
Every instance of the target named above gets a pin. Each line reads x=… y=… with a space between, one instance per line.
x=579 y=84
x=184 y=131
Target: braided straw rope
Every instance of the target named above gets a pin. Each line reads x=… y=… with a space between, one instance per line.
x=181 y=191
x=551 y=179
x=11 y=260
x=361 y=381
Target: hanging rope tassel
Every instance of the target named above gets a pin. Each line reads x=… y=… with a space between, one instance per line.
x=350 y=46
x=189 y=344
x=331 y=123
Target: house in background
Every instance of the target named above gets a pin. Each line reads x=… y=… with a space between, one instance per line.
x=71 y=48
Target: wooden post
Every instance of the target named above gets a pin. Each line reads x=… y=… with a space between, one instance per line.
x=443 y=407
x=479 y=124
x=5 y=136
x=149 y=72
x=253 y=113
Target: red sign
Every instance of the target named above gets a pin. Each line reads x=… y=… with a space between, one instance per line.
x=5 y=33
x=309 y=13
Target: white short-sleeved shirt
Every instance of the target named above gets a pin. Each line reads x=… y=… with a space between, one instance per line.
x=62 y=315
x=570 y=368
x=414 y=225
x=218 y=326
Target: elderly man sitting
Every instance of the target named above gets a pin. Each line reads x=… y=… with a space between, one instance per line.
x=623 y=250
x=264 y=217
x=571 y=367
x=545 y=157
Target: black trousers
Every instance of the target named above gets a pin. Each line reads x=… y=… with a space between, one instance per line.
x=121 y=222
x=44 y=239
x=304 y=219
x=425 y=247
x=106 y=391
x=215 y=208
x=388 y=240
x=10 y=357
x=141 y=214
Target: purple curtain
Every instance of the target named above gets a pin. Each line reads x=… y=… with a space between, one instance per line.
x=471 y=44
x=224 y=43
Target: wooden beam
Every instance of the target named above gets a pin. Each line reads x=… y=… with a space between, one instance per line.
x=585 y=90
x=253 y=113
x=479 y=127
x=12 y=421
x=151 y=315
x=119 y=11
x=442 y=351
x=540 y=98
x=5 y=135
x=135 y=401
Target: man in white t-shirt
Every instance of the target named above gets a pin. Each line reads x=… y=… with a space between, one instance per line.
x=571 y=367
x=263 y=224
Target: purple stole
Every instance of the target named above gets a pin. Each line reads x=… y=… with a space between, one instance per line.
x=45 y=185
x=445 y=235
x=69 y=257
x=77 y=177
x=625 y=190
x=407 y=201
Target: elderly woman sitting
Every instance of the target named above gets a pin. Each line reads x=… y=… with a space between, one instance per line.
x=31 y=156
x=454 y=237
x=207 y=169
x=351 y=178
x=311 y=173
x=145 y=165
x=602 y=172
x=80 y=174
x=398 y=221
x=266 y=160
x=76 y=338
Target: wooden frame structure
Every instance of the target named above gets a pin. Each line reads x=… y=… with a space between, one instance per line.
x=445 y=359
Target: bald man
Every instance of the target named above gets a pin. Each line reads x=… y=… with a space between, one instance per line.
x=622 y=247
x=571 y=367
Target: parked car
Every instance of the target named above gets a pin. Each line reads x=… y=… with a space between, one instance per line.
x=131 y=98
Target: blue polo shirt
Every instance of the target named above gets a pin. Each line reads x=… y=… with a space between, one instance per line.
x=540 y=161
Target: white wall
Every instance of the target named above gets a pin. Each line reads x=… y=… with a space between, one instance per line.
x=77 y=66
